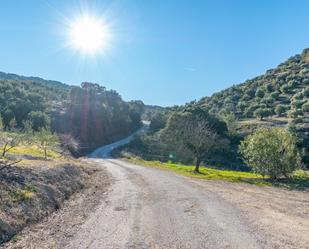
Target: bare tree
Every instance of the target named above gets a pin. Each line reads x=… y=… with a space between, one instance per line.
x=9 y=141
x=68 y=143
x=196 y=135
x=199 y=138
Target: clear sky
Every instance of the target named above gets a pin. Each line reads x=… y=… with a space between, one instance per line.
x=163 y=52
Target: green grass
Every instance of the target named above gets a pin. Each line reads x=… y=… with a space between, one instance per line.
x=299 y=181
x=22 y=194
x=33 y=150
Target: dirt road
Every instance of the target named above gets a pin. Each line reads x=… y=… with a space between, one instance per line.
x=151 y=208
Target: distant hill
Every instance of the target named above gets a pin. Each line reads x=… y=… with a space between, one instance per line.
x=90 y=113
x=10 y=76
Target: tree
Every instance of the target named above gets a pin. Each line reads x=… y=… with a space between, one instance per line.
x=280 y=109
x=7 y=118
x=305 y=107
x=1 y=124
x=262 y=112
x=231 y=122
x=38 y=120
x=46 y=141
x=197 y=131
x=259 y=93
x=271 y=152
x=8 y=141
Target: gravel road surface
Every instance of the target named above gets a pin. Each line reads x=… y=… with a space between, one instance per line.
x=144 y=207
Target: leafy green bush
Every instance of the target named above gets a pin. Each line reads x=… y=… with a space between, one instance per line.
x=262 y=113
x=259 y=93
x=271 y=152
x=294 y=113
x=305 y=107
x=280 y=109
x=38 y=120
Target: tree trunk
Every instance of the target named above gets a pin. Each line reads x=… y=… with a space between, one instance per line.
x=197 y=165
x=4 y=150
x=45 y=153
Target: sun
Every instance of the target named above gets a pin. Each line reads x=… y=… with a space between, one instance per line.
x=89 y=34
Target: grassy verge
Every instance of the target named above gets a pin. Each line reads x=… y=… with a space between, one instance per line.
x=299 y=181
x=34 y=151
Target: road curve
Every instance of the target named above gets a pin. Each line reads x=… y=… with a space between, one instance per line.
x=150 y=208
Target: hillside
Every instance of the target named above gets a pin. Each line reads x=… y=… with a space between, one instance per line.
x=280 y=97
x=90 y=113
x=280 y=92
x=49 y=83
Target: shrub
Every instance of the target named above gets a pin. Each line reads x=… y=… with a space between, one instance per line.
x=259 y=93
x=269 y=87
x=271 y=152
x=285 y=88
x=299 y=96
x=280 y=109
x=274 y=95
x=305 y=107
x=306 y=92
x=38 y=120
x=294 y=113
x=298 y=103
x=262 y=113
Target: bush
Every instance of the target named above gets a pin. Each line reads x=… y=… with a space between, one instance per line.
x=271 y=152
x=305 y=107
x=280 y=109
x=298 y=103
x=259 y=93
x=285 y=88
x=38 y=120
x=262 y=112
x=294 y=113
x=275 y=95
x=306 y=92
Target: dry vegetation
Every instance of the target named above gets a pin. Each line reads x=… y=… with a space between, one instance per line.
x=33 y=188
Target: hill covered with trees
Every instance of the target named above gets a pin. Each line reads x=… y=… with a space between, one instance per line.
x=280 y=92
x=91 y=114
x=279 y=98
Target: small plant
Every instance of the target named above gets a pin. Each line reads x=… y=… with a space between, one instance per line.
x=24 y=194
x=46 y=141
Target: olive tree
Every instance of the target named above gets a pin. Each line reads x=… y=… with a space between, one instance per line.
x=8 y=141
x=46 y=141
x=197 y=132
x=262 y=113
x=271 y=152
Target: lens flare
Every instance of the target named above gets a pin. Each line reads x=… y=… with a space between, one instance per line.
x=89 y=34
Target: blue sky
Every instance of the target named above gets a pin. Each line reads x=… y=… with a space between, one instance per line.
x=163 y=52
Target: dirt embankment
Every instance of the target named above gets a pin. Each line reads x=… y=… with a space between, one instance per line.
x=33 y=190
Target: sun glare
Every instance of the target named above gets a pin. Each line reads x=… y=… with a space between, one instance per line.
x=89 y=35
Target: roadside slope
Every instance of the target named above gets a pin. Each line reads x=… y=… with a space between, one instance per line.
x=34 y=189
